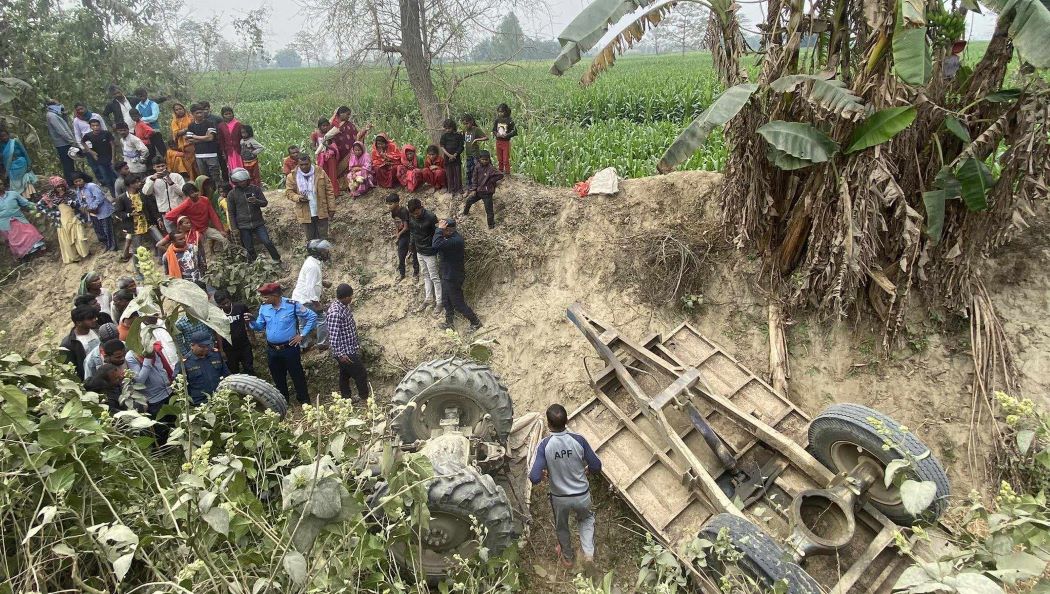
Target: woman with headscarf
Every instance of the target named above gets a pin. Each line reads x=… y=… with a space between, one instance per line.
x=16 y=163
x=385 y=161
x=180 y=152
x=359 y=179
x=63 y=207
x=230 y=139
x=336 y=144
x=91 y=284
x=409 y=173
x=21 y=236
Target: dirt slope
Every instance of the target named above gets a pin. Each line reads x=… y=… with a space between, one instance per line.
x=552 y=248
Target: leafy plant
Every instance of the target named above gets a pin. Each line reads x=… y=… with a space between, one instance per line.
x=231 y=271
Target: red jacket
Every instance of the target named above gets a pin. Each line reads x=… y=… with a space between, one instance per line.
x=200 y=213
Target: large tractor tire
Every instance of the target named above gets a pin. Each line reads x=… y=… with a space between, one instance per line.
x=459 y=499
x=762 y=559
x=845 y=433
x=424 y=393
x=264 y=394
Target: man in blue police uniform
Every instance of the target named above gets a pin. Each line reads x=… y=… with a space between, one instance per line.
x=285 y=322
x=204 y=367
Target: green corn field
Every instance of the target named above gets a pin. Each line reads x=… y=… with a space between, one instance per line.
x=566 y=132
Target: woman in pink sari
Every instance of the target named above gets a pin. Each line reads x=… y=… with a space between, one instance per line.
x=338 y=141
x=359 y=179
x=230 y=139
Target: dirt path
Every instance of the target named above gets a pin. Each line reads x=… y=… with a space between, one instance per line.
x=552 y=249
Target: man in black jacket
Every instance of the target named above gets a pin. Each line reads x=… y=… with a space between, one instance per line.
x=450 y=246
x=244 y=205
x=118 y=110
x=82 y=338
x=421 y=228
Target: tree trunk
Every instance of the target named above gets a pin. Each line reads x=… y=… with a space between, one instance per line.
x=778 y=354
x=417 y=64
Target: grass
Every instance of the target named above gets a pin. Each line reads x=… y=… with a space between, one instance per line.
x=566 y=132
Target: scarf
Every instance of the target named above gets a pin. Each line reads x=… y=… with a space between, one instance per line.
x=172 y=258
x=392 y=156
x=88 y=278
x=307 y=187
x=364 y=161
x=56 y=108
x=410 y=162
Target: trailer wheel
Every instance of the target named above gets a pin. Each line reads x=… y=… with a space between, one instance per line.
x=265 y=395
x=424 y=393
x=844 y=434
x=762 y=559
x=459 y=498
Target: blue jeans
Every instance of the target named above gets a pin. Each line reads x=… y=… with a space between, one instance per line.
x=248 y=237
x=68 y=168
x=104 y=174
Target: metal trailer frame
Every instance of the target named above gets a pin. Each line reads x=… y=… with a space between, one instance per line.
x=676 y=470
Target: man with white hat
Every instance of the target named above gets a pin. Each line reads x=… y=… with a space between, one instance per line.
x=244 y=205
x=310 y=285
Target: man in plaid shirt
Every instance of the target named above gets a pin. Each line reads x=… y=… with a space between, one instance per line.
x=344 y=346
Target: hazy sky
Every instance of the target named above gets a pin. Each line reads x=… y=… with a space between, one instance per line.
x=287 y=18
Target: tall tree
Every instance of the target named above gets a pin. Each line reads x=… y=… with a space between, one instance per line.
x=509 y=40
x=288 y=58
x=425 y=38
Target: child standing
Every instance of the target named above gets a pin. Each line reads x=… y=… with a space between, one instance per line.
x=452 y=149
x=473 y=136
x=250 y=149
x=434 y=168
x=503 y=129
x=486 y=178
x=401 y=236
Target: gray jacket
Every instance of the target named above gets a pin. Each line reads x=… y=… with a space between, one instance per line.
x=566 y=457
x=59 y=129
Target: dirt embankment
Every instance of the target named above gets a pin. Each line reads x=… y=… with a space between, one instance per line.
x=552 y=249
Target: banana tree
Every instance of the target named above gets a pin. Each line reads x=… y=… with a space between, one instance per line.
x=874 y=162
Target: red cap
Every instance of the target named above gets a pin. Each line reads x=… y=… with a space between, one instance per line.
x=270 y=289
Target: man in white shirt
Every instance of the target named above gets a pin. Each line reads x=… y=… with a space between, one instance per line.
x=131 y=148
x=166 y=189
x=310 y=285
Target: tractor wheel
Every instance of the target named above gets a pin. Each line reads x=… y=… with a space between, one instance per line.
x=424 y=393
x=265 y=395
x=844 y=434
x=460 y=499
x=760 y=557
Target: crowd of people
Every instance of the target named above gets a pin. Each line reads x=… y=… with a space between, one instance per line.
x=196 y=185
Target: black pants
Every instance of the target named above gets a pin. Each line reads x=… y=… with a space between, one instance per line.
x=240 y=360
x=454 y=176
x=248 y=237
x=284 y=362
x=404 y=247
x=453 y=300
x=490 y=213
x=354 y=369
x=316 y=229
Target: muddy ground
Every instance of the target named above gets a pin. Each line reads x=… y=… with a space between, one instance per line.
x=551 y=249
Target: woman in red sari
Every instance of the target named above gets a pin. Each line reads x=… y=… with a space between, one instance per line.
x=333 y=141
x=230 y=139
x=433 y=171
x=385 y=161
x=408 y=172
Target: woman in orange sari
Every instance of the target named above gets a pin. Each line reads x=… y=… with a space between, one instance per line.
x=180 y=152
x=385 y=160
